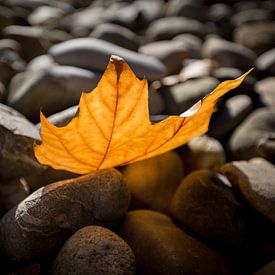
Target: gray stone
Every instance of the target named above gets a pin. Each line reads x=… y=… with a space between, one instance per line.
x=228 y=54
x=94 y=54
x=266 y=62
x=182 y=96
x=266 y=91
x=256 y=182
x=53 y=89
x=33 y=4
x=2 y=92
x=82 y=22
x=192 y=43
x=10 y=44
x=219 y=13
x=41 y=223
x=45 y=16
x=153 y=182
x=156 y=103
x=202 y=152
x=197 y=69
x=258 y=37
x=94 y=250
x=162 y=248
x=10 y=64
x=251 y=16
x=195 y=206
x=31 y=39
x=170 y=53
x=7 y=17
x=169 y=27
x=230 y=115
x=117 y=35
x=186 y=8
x=139 y=14
x=254 y=137
x=17 y=136
x=12 y=193
x=41 y=62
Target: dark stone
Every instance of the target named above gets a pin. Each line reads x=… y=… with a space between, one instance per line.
x=186 y=8
x=233 y=112
x=195 y=205
x=162 y=248
x=251 y=16
x=94 y=250
x=10 y=64
x=31 y=39
x=40 y=224
x=182 y=96
x=17 y=136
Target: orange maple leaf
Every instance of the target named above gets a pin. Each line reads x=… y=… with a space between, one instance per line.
x=113 y=127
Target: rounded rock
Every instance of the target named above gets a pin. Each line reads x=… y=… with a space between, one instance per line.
x=162 y=248
x=53 y=89
x=195 y=205
x=202 y=152
x=94 y=54
x=94 y=250
x=256 y=183
x=254 y=137
x=41 y=223
x=153 y=182
x=228 y=54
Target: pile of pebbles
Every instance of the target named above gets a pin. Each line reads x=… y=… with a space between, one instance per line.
x=207 y=207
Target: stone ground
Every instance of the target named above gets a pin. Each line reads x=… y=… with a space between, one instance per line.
x=207 y=207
